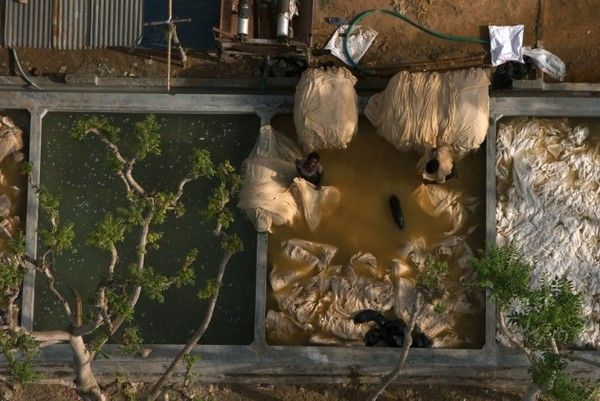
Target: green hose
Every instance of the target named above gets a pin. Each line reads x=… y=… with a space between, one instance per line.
x=364 y=14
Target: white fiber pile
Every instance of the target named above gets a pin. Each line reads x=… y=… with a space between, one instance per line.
x=549 y=205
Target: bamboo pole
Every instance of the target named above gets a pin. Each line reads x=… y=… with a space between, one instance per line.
x=169 y=49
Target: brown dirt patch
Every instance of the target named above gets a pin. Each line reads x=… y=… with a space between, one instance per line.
x=320 y=392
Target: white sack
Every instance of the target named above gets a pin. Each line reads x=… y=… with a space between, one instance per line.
x=431 y=109
x=325 y=109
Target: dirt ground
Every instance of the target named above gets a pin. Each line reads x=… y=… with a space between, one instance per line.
x=568 y=28
x=294 y=393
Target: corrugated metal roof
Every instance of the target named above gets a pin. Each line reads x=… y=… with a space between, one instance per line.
x=73 y=24
x=115 y=22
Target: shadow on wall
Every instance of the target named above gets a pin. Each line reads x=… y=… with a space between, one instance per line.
x=196 y=34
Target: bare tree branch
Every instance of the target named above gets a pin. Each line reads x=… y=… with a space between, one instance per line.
x=157 y=388
x=390 y=377
x=50 y=282
x=511 y=337
x=588 y=361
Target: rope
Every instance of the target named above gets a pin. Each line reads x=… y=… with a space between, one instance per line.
x=439 y=35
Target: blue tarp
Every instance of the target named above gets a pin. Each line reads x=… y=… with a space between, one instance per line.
x=195 y=35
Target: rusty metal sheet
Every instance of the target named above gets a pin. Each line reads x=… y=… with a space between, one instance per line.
x=73 y=24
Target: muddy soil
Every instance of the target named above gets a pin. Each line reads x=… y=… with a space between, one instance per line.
x=321 y=392
x=567 y=28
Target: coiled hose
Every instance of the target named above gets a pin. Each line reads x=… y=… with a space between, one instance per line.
x=364 y=14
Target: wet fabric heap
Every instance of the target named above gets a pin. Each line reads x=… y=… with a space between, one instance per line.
x=11 y=144
x=271 y=195
x=429 y=109
x=436 y=201
x=548 y=206
x=326 y=109
x=318 y=300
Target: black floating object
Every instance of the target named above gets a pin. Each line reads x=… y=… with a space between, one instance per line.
x=372 y=337
x=369 y=315
x=396 y=211
x=420 y=340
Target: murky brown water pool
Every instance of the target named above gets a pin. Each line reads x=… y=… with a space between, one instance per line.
x=367 y=173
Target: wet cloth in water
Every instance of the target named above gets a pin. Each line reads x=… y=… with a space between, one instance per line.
x=548 y=205
x=431 y=109
x=325 y=109
x=268 y=172
x=270 y=192
x=436 y=201
x=321 y=307
x=11 y=145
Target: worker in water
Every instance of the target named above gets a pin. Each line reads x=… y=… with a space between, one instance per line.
x=437 y=165
x=310 y=169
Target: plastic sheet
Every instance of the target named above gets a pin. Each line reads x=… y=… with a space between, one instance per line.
x=359 y=41
x=506 y=43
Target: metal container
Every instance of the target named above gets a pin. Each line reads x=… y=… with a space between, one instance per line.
x=243 y=25
x=283 y=19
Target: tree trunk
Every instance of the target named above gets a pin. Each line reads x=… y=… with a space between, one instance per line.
x=87 y=386
x=189 y=347
x=532 y=392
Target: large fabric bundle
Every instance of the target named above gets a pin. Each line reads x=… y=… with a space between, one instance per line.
x=326 y=109
x=271 y=195
x=268 y=173
x=431 y=109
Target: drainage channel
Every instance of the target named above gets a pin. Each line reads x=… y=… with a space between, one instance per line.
x=258 y=361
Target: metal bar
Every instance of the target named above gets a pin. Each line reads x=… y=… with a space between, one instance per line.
x=166 y=22
x=260 y=306
x=35 y=146
x=490 y=231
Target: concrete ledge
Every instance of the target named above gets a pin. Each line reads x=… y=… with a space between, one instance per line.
x=259 y=361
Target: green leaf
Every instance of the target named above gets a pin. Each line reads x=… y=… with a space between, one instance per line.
x=148 y=137
x=26 y=168
x=131 y=341
x=552 y=310
x=153 y=284
x=209 y=290
x=232 y=243
x=504 y=272
x=201 y=164
x=84 y=127
x=108 y=232
x=119 y=303
x=16 y=244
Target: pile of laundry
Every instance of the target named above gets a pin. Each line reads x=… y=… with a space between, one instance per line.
x=319 y=300
x=11 y=155
x=548 y=206
x=272 y=195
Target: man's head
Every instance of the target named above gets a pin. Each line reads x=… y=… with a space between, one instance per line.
x=432 y=166
x=312 y=160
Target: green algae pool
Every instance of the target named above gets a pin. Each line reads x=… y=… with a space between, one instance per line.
x=76 y=171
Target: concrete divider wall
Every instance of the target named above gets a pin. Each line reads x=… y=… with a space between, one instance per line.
x=259 y=361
